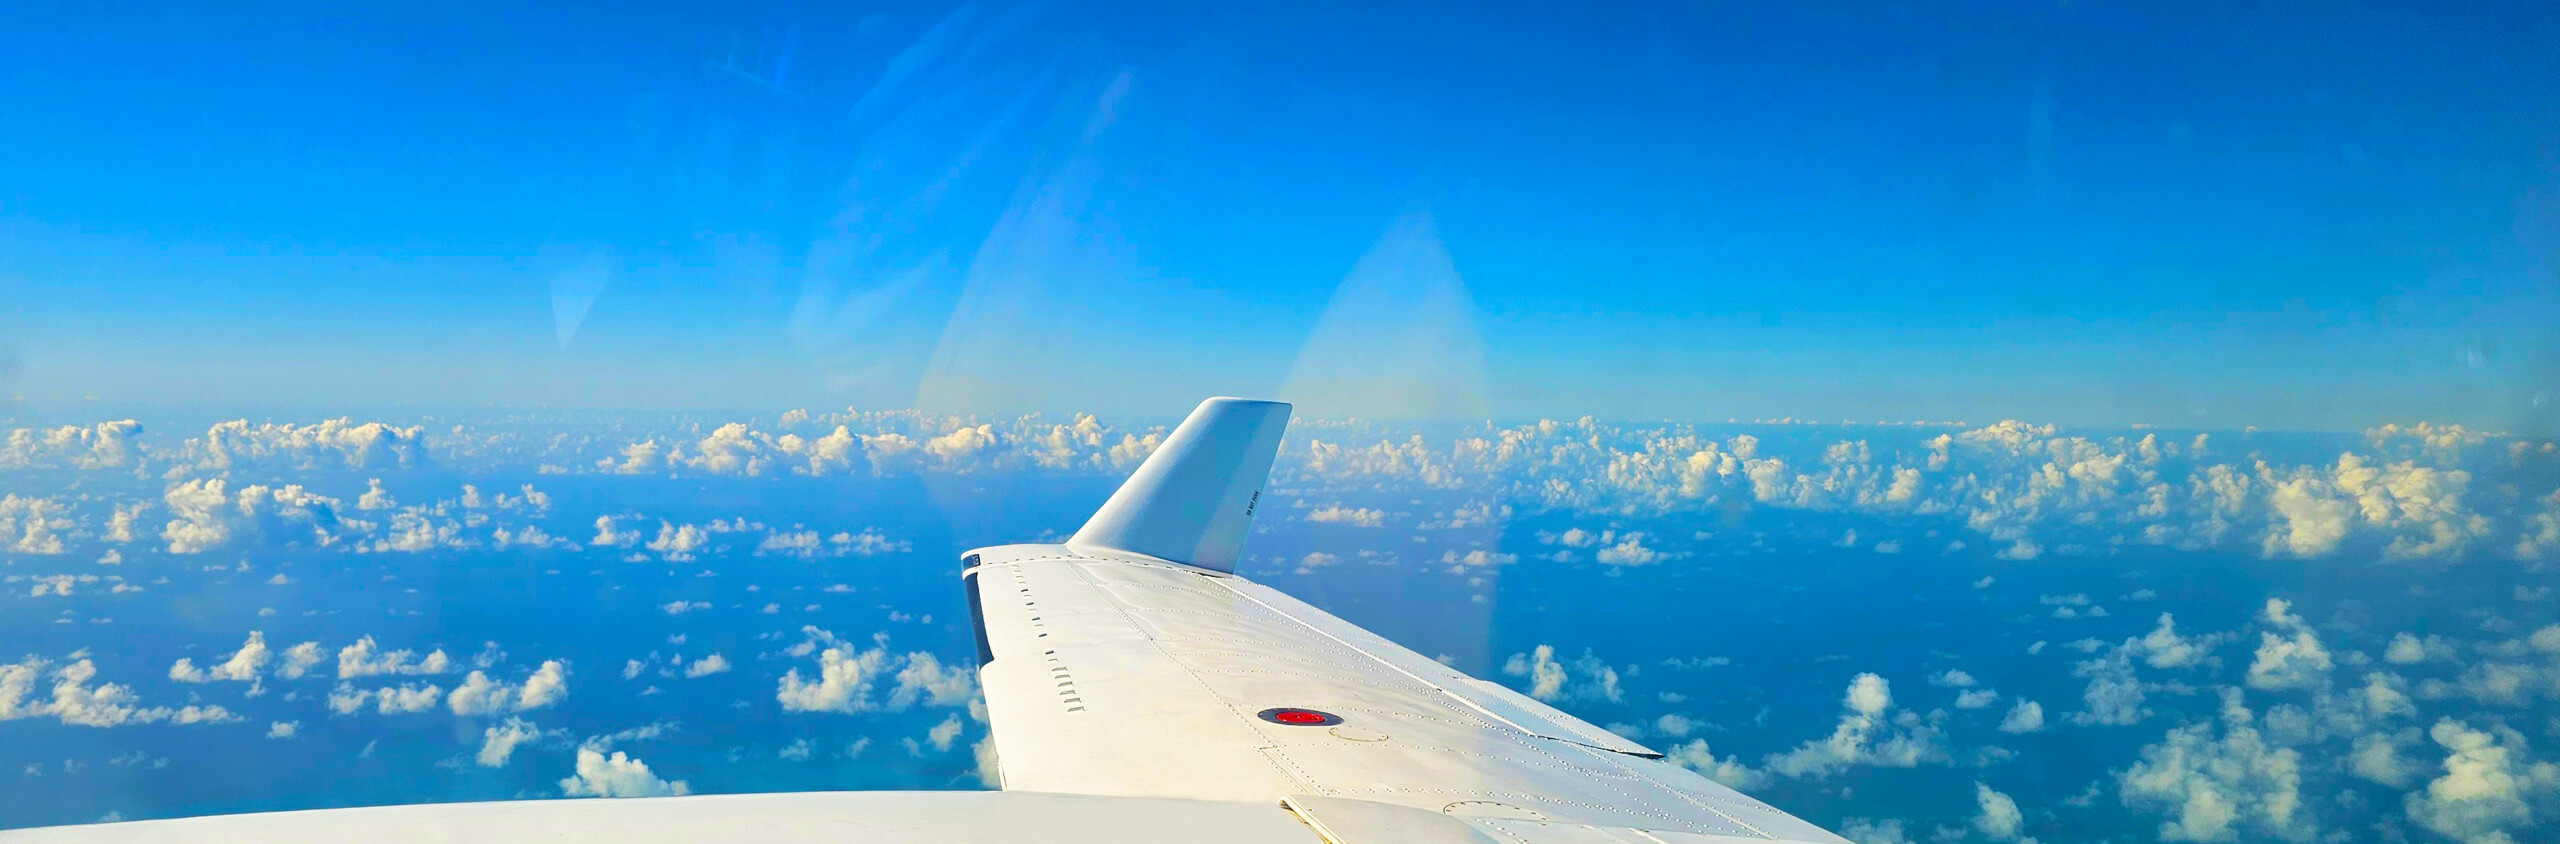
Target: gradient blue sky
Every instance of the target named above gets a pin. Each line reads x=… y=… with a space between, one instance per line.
x=2286 y=215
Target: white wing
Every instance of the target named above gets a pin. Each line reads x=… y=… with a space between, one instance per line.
x=1113 y=672
x=823 y=817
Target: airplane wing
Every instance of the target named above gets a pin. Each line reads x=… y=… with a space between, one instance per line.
x=1139 y=691
x=1122 y=668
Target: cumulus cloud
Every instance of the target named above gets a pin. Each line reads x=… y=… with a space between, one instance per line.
x=2164 y=647
x=375 y=497
x=207 y=514
x=1353 y=516
x=678 y=543
x=2114 y=695
x=407 y=698
x=242 y=665
x=2487 y=788
x=2214 y=785
x=1870 y=732
x=868 y=542
x=342 y=441
x=895 y=441
x=2025 y=716
x=366 y=658
x=1629 y=550
x=1876 y=831
x=105 y=445
x=707 y=666
x=806 y=545
x=1477 y=558
x=31 y=525
x=479 y=695
x=498 y=742
x=2406 y=649
x=940 y=737
x=617 y=775
x=848 y=677
x=2016 y=484
x=299 y=660
x=74 y=701
x=1999 y=817
x=1585 y=678
x=2290 y=656
x=610 y=535
x=924 y=678
x=1729 y=770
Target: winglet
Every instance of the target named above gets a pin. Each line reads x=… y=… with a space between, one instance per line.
x=1193 y=500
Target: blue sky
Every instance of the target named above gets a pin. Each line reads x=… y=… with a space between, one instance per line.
x=2090 y=213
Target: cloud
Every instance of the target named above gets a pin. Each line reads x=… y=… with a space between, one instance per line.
x=207 y=514
x=2163 y=647
x=406 y=698
x=609 y=535
x=73 y=701
x=1570 y=538
x=802 y=544
x=2025 y=716
x=547 y=686
x=479 y=695
x=366 y=659
x=618 y=775
x=2487 y=787
x=677 y=543
x=1999 y=817
x=341 y=441
x=1355 y=517
x=1729 y=770
x=375 y=497
x=1872 y=831
x=943 y=734
x=414 y=531
x=924 y=678
x=1477 y=558
x=806 y=545
x=284 y=729
x=707 y=666
x=2406 y=649
x=1869 y=733
x=1629 y=551
x=2114 y=695
x=2020 y=485
x=1586 y=678
x=848 y=677
x=2214 y=786
x=105 y=445
x=31 y=525
x=498 y=742
x=242 y=665
x=299 y=660
x=2290 y=659
x=869 y=542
